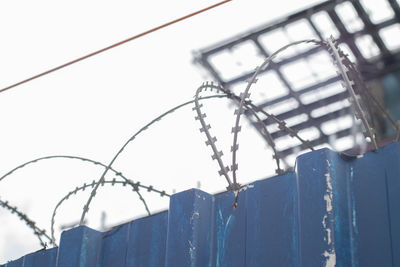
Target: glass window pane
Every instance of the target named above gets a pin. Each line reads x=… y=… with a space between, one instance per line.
x=274 y=40
x=391 y=36
x=268 y=87
x=367 y=46
x=299 y=74
x=378 y=10
x=348 y=15
x=324 y=24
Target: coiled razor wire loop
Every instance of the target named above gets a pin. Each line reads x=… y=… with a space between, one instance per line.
x=338 y=58
x=117 y=173
x=94 y=190
x=39 y=233
x=253 y=109
x=229 y=95
x=364 y=91
x=84 y=186
x=245 y=95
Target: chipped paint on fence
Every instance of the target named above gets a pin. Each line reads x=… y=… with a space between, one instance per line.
x=330 y=253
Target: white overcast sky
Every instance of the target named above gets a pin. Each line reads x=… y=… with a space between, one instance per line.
x=91 y=108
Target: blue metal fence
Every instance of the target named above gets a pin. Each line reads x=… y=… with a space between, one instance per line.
x=333 y=210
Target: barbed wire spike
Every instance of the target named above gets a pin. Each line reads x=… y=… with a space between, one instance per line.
x=224 y=171
x=234 y=167
x=211 y=141
x=208 y=127
x=217 y=155
x=236 y=129
x=31 y=224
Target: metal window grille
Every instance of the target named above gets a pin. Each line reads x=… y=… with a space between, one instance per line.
x=302 y=86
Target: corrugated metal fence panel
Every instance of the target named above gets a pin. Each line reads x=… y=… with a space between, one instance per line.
x=333 y=210
x=272 y=222
x=41 y=258
x=189 y=231
x=147 y=241
x=375 y=185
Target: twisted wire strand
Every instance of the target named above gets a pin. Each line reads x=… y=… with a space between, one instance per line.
x=30 y=223
x=84 y=186
x=93 y=193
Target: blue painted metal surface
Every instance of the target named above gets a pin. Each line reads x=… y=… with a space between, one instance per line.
x=333 y=210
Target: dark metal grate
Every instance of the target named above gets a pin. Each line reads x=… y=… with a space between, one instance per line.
x=302 y=86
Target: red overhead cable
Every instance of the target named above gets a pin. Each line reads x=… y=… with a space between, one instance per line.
x=112 y=46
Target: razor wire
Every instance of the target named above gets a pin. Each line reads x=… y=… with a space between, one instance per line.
x=338 y=58
x=31 y=224
x=253 y=109
x=135 y=185
x=232 y=185
x=227 y=94
x=93 y=193
x=265 y=133
x=243 y=102
x=246 y=95
x=212 y=140
x=82 y=188
x=345 y=67
x=117 y=173
x=347 y=70
x=367 y=94
x=364 y=91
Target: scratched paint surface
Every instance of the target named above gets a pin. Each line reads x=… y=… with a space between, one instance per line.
x=334 y=210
